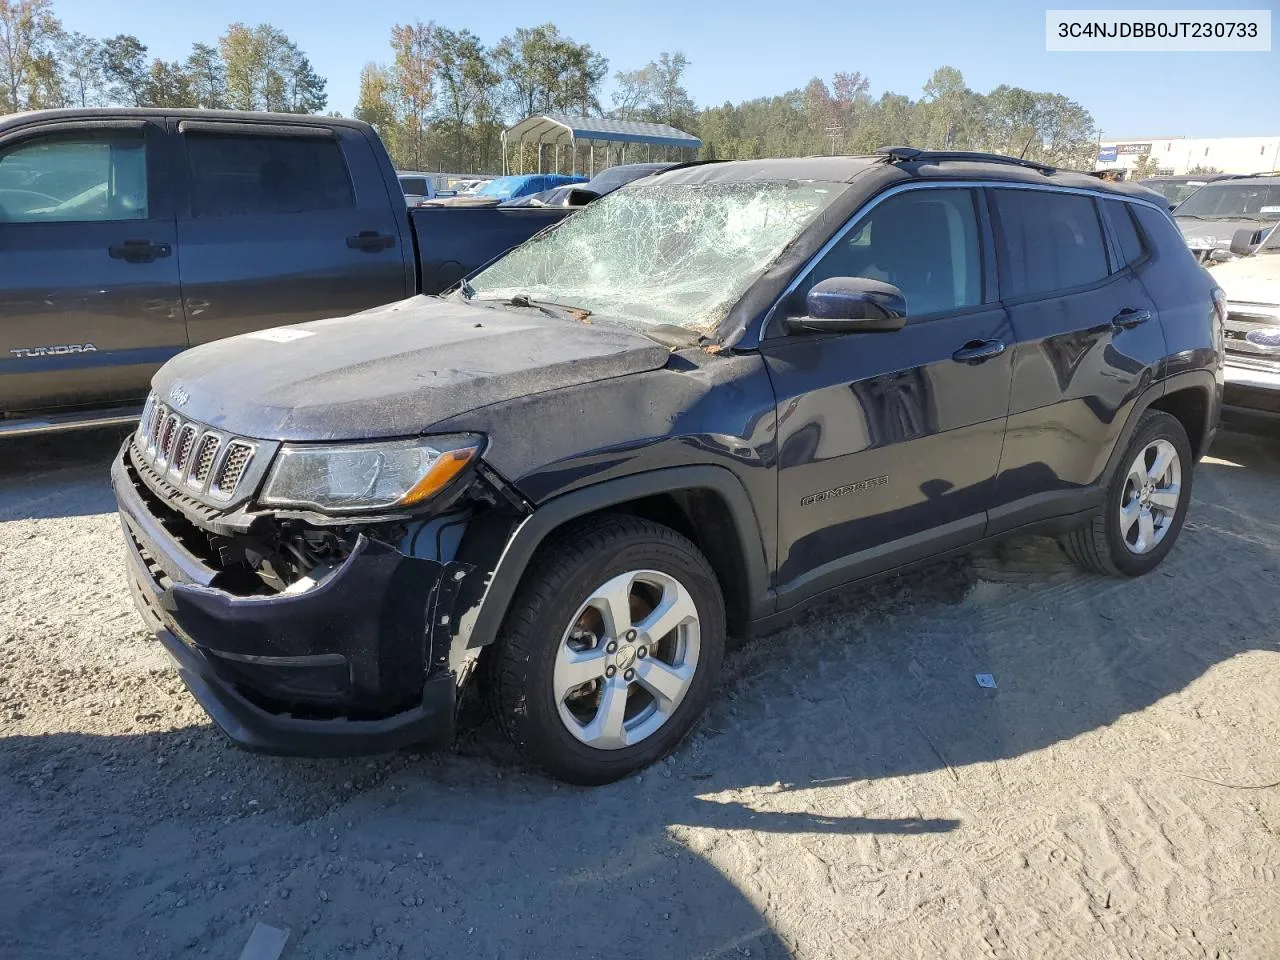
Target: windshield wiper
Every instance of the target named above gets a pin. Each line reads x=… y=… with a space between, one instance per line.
x=559 y=311
x=669 y=334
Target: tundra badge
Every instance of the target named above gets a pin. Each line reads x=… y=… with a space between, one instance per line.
x=57 y=350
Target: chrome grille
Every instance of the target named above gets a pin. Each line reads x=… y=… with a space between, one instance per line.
x=1245 y=319
x=214 y=466
x=205 y=453
x=167 y=433
x=232 y=469
x=182 y=448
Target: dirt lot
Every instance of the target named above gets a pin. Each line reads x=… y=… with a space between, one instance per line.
x=852 y=793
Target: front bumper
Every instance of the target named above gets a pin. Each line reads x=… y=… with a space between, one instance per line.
x=357 y=664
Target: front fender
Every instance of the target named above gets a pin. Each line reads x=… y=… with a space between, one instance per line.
x=480 y=625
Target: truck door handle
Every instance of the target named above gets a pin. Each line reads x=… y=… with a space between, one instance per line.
x=1129 y=317
x=370 y=241
x=139 y=251
x=978 y=351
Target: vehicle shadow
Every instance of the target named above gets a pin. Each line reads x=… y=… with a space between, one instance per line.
x=466 y=855
x=58 y=475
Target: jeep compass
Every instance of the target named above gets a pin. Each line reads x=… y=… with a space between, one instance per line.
x=716 y=395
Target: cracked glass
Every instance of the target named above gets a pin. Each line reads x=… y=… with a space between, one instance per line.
x=680 y=254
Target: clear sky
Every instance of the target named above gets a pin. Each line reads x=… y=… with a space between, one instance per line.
x=751 y=48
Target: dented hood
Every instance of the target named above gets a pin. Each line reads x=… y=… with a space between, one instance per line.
x=392 y=371
x=1254 y=279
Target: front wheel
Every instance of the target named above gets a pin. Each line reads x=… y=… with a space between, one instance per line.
x=610 y=651
x=1145 y=506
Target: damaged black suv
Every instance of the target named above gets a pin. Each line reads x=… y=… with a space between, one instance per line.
x=681 y=413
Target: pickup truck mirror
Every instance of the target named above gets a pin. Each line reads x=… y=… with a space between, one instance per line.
x=851 y=305
x=1242 y=242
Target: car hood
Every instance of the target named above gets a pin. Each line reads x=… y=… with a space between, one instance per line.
x=392 y=371
x=1214 y=234
x=1254 y=279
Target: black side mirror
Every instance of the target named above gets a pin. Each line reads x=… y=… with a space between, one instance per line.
x=580 y=197
x=851 y=305
x=1242 y=242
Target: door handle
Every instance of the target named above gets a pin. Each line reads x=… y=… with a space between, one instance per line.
x=978 y=351
x=370 y=241
x=1129 y=317
x=138 y=251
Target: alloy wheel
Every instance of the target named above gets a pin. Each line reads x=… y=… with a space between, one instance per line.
x=1149 y=498
x=627 y=659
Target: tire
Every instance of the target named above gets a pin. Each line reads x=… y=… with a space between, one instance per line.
x=1112 y=542
x=552 y=638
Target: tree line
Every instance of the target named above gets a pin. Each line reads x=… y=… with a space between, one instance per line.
x=248 y=68
x=441 y=97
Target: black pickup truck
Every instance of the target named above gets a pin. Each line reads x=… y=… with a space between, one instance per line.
x=127 y=236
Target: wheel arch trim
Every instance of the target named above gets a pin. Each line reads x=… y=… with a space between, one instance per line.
x=1190 y=379
x=552 y=515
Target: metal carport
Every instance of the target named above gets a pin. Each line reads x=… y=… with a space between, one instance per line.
x=552 y=128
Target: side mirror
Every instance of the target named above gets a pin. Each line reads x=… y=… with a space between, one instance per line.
x=851 y=305
x=1242 y=242
x=580 y=197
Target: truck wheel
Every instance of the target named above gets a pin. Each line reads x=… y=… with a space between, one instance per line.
x=1145 y=505
x=610 y=649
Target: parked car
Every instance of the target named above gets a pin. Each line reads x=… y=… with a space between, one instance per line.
x=509 y=188
x=418 y=187
x=555 y=197
x=1252 y=336
x=130 y=235
x=601 y=184
x=688 y=410
x=1210 y=217
x=1175 y=189
x=685 y=411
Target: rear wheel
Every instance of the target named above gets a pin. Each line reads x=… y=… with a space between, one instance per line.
x=1146 y=503
x=610 y=650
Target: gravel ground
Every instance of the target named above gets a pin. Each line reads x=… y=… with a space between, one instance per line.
x=852 y=793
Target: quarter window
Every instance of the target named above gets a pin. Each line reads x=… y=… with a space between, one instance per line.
x=1131 y=248
x=1048 y=241
x=83 y=178
x=234 y=175
x=924 y=242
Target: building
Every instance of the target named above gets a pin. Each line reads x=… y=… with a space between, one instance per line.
x=1174 y=155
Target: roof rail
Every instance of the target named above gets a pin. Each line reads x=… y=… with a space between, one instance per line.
x=915 y=155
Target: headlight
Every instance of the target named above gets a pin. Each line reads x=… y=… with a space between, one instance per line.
x=366 y=476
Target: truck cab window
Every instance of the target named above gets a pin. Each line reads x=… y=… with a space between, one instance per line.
x=234 y=175
x=81 y=178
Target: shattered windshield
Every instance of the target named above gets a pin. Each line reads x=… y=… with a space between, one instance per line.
x=679 y=253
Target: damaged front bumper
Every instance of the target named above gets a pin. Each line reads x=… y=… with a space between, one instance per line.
x=357 y=663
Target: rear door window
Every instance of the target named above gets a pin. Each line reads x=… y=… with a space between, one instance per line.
x=237 y=175
x=1048 y=242
x=79 y=178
